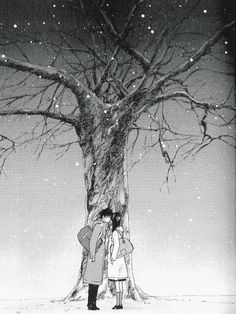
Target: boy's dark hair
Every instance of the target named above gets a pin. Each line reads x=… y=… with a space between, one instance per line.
x=106 y=212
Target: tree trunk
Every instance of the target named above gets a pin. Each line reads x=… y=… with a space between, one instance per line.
x=106 y=184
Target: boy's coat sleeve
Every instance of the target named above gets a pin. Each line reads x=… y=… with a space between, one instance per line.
x=94 y=238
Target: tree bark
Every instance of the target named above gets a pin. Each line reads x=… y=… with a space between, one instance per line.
x=106 y=184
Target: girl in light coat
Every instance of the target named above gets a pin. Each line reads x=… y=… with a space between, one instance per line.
x=117 y=270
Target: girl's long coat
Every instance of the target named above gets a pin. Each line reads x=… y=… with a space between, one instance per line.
x=94 y=270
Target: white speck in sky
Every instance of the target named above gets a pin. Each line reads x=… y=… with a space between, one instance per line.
x=205 y=11
x=15 y=25
x=142 y=16
x=77 y=163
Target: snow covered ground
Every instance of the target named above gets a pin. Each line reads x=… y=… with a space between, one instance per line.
x=160 y=305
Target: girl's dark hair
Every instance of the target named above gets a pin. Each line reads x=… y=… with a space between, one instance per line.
x=105 y=212
x=115 y=222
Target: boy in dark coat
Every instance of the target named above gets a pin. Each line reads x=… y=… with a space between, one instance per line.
x=93 y=275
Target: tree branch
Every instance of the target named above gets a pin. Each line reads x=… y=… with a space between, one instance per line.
x=47 y=114
x=52 y=74
x=120 y=38
x=194 y=58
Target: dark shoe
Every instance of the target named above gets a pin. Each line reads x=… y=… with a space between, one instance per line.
x=119 y=307
x=93 y=308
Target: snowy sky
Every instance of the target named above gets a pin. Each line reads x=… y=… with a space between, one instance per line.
x=184 y=240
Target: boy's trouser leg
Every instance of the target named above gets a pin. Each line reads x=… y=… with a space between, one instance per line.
x=95 y=292
x=92 y=295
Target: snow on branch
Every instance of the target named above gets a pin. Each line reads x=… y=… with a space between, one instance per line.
x=52 y=74
x=52 y=115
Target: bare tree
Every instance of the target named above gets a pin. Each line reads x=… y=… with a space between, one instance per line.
x=102 y=72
